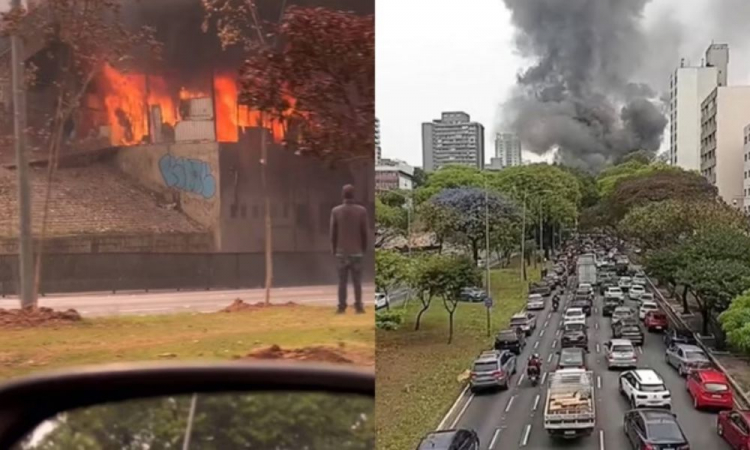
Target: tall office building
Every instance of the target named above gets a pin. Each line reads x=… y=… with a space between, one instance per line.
x=746 y=171
x=452 y=139
x=689 y=86
x=378 y=150
x=508 y=149
x=724 y=116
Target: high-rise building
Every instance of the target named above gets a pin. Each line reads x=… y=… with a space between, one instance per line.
x=508 y=149
x=378 y=150
x=452 y=139
x=746 y=169
x=724 y=116
x=689 y=86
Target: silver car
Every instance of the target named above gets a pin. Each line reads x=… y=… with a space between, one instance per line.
x=685 y=357
x=493 y=369
x=620 y=353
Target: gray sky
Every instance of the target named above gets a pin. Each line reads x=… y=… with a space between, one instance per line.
x=434 y=55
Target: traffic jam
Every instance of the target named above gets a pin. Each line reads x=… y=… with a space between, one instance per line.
x=618 y=373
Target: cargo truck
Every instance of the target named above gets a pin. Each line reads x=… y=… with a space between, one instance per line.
x=570 y=408
x=587 y=269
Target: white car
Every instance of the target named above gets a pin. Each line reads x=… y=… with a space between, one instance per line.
x=620 y=353
x=535 y=302
x=573 y=316
x=639 y=280
x=636 y=291
x=625 y=283
x=614 y=292
x=586 y=286
x=644 y=388
x=381 y=300
x=647 y=297
x=647 y=306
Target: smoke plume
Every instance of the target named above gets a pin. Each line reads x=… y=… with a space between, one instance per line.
x=579 y=96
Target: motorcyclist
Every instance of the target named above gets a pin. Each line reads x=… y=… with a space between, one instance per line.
x=534 y=366
x=556 y=302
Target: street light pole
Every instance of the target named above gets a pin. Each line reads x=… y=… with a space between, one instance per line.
x=523 y=240
x=25 y=244
x=541 y=229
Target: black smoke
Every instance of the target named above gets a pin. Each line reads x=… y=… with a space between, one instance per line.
x=579 y=96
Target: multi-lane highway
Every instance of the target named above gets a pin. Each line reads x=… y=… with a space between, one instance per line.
x=513 y=419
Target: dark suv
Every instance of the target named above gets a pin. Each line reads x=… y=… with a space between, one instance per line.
x=510 y=340
x=654 y=428
x=450 y=440
x=575 y=335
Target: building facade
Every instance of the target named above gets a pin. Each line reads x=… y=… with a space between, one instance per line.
x=394 y=177
x=746 y=170
x=378 y=149
x=508 y=149
x=452 y=139
x=689 y=86
x=724 y=117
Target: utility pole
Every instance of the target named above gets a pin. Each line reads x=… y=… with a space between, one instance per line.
x=487 y=249
x=409 y=205
x=541 y=228
x=25 y=244
x=523 y=239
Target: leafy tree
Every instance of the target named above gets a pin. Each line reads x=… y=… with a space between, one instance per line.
x=735 y=322
x=393 y=198
x=391 y=270
x=222 y=421
x=586 y=185
x=437 y=220
x=609 y=177
x=467 y=211
x=390 y=222
x=449 y=177
x=420 y=177
x=422 y=284
x=644 y=157
x=451 y=275
x=664 y=265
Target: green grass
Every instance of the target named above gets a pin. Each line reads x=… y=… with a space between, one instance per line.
x=418 y=373
x=218 y=336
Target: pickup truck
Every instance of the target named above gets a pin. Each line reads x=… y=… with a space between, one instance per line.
x=570 y=409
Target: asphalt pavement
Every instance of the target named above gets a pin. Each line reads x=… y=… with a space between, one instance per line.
x=513 y=419
x=171 y=302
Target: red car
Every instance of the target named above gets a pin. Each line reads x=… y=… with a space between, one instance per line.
x=734 y=427
x=710 y=389
x=656 y=320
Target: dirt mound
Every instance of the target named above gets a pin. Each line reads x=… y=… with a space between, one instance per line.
x=30 y=317
x=239 y=305
x=317 y=354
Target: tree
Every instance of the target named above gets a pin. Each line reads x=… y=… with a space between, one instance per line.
x=450 y=275
x=735 y=322
x=391 y=270
x=664 y=264
x=586 y=185
x=449 y=177
x=422 y=284
x=420 y=177
x=644 y=157
x=467 y=211
x=390 y=222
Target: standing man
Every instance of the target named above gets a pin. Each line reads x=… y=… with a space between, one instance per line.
x=349 y=229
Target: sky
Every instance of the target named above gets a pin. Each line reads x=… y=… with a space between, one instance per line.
x=434 y=56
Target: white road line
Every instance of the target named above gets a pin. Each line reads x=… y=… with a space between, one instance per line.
x=541 y=333
x=554 y=343
x=494 y=438
x=510 y=403
x=544 y=377
x=597 y=348
x=536 y=344
x=549 y=358
x=546 y=323
x=558 y=332
x=463 y=410
x=455 y=404
x=526 y=436
x=536 y=402
x=520 y=379
x=640 y=350
x=596 y=325
x=601 y=439
x=598 y=382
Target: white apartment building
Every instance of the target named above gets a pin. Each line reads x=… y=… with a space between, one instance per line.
x=452 y=139
x=725 y=114
x=507 y=149
x=746 y=174
x=689 y=86
x=394 y=177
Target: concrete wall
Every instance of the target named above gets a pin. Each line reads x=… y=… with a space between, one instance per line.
x=186 y=172
x=693 y=85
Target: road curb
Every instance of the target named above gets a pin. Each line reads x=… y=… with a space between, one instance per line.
x=453 y=408
x=740 y=399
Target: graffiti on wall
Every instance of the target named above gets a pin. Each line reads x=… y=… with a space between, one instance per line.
x=189 y=175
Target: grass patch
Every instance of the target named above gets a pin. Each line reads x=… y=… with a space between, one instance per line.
x=217 y=336
x=418 y=372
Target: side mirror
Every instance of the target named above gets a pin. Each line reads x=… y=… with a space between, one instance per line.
x=183 y=403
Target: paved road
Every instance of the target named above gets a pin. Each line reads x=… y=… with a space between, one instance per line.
x=170 y=302
x=514 y=418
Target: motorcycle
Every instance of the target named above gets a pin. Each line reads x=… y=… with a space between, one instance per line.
x=555 y=306
x=532 y=372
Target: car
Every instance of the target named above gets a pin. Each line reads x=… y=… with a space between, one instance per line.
x=710 y=389
x=609 y=305
x=645 y=388
x=510 y=340
x=639 y=281
x=646 y=297
x=535 y=302
x=575 y=335
x=585 y=288
x=571 y=358
x=636 y=292
x=574 y=315
x=492 y=369
x=525 y=321
x=629 y=329
x=584 y=303
x=620 y=353
x=472 y=295
x=625 y=283
x=734 y=427
x=382 y=300
x=606 y=285
x=679 y=336
x=684 y=358
x=645 y=308
x=614 y=292
x=459 y=439
x=654 y=429
x=622 y=312
x=540 y=287
x=656 y=321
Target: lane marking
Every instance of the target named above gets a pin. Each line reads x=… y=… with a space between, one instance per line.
x=536 y=344
x=601 y=439
x=494 y=438
x=526 y=436
x=554 y=343
x=549 y=358
x=640 y=350
x=541 y=333
x=520 y=379
x=558 y=332
x=455 y=404
x=546 y=323
x=596 y=325
x=544 y=377
x=598 y=349
x=463 y=410
x=510 y=403
x=598 y=382
x=536 y=402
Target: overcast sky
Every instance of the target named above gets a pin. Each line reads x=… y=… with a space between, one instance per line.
x=442 y=55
